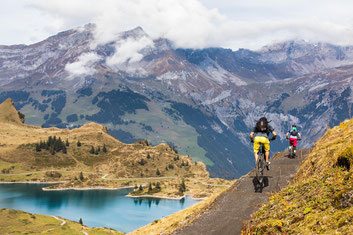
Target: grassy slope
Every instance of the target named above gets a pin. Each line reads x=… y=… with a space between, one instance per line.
x=320 y=201
x=19 y=222
x=182 y=135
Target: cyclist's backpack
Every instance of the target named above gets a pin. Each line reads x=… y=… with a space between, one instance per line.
x=294 y=132
x=262 y=125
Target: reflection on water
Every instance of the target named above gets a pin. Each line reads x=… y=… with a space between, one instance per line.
x=108 y=208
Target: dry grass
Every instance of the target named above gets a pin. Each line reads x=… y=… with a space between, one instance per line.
x=171 y=223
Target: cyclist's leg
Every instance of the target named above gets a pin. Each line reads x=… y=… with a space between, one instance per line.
x=295 y=145
x=267 y=149
x=256 y=148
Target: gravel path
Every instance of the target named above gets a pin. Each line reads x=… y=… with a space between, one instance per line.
x=232 y=208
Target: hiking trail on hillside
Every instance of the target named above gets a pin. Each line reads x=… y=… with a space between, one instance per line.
x=228 y=212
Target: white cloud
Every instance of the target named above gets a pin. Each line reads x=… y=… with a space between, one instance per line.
x=190 y=23
x=129 y=51
x=84 y=65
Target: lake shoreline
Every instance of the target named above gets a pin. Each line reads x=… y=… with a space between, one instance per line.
x=32 y=182
x=101 y=188
x=85 y=188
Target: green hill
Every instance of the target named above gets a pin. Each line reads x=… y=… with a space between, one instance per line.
x=19 y=222
x=320 y=200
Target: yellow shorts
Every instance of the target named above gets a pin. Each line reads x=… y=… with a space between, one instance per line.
x=261 y=139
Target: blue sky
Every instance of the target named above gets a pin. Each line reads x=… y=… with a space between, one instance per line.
x=192 y=23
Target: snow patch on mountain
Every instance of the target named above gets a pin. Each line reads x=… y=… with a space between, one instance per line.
x=223 y=95
x=318 y=86
x=222 y=76
x=217 y=128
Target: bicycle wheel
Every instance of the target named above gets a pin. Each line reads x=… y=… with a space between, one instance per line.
x=261 y=167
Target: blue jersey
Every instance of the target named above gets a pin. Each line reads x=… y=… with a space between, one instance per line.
x=290 y=136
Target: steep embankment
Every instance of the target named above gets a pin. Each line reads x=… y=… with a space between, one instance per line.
x=88 y=157
x=321 y=199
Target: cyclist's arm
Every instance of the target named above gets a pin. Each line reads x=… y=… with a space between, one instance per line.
x=252 y=135
x=300 y=136
x=274 y=135
x=287 y=135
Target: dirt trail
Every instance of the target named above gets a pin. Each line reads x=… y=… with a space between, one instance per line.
x=235 y=206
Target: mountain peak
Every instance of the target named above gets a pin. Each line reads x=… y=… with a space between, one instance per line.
x=136 y=33
x=8 y=112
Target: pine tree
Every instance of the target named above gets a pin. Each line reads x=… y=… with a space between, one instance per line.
x=81 y=176
x=182 y=187
x=92 y=150
x=140 y=188
x=80 y=221
x=148 y=156
x=64 y=149
x=78 y=143
x=67 y=143
x=50 y=140
x=104 y=149
x=42 y=144
x=158 y=172
x=96 y=152
x=52 y=150
x=150 y=188
x=47 y=145
x=38 y=148
x=56 y=145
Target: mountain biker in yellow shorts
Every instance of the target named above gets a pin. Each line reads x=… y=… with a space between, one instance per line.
x=261 y=132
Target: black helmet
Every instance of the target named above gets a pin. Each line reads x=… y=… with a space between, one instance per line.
x=294 y=125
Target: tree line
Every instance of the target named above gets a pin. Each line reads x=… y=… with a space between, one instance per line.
x=53 y=145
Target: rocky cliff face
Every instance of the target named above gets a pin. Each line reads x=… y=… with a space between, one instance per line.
x=203 y=102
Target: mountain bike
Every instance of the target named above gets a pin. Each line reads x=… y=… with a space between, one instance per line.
x=260 y=164
x=291 y=153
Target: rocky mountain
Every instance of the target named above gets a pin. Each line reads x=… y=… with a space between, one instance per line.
x=202 y=102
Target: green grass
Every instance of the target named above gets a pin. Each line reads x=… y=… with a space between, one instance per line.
x=165 y=128
x=19 y=222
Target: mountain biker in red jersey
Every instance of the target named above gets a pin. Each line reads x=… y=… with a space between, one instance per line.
x=293 y=135
x=261 y=132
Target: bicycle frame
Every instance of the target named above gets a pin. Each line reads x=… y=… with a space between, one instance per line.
x=260 y=165
x=291 y=151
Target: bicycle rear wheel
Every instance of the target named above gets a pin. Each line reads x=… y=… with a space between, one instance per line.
x=260 y=168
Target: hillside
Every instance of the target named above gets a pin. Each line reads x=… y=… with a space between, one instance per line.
x=320 y=200
x=19 y=222
x=88 y=157
x=203 y=102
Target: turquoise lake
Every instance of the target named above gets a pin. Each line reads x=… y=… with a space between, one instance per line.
x=97 y=208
